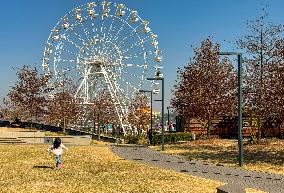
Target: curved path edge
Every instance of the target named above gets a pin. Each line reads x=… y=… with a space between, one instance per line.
x=236 y=177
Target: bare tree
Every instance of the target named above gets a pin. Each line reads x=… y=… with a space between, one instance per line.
x=63 y=109
x=8 y=110
x=206 y=87
x=104 y=109
x=262 y=81
x=27 y=95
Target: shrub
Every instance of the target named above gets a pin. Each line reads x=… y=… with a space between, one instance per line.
x=4 y=123
x=143 y=141
x=171 y=137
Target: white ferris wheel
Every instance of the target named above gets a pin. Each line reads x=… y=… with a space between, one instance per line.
x=103 y=46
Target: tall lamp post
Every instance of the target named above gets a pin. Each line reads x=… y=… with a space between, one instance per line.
x=240 y=105
x=64 y=99
x=64 y=110
x=168 y=108
x=151 y=128
x=163 y=101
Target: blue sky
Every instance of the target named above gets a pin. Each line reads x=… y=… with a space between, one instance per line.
x=25 y=26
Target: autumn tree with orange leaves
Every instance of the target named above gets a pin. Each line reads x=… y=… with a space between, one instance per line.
x=140 y=113
x=206 y=88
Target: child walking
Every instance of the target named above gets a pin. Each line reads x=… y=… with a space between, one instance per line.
x=57 y=149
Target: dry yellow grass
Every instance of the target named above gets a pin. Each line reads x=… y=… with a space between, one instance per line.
x=95 y=142
x=268 y=156
x=250 y=190
x=25 y=168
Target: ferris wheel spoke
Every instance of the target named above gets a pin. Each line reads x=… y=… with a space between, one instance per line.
x=127 y=84
x=72 y=43
x=106 y=10
x=101 y=29
x=122 y=41
x=111 y=25
x=131 y=74
x=115 y=38
x=110 y=37
x=68 y=51
x=79 y=36
x=66 y=60
x=130 y=35
x=87 y=33
x=129 y=56
x=122 y=27
x=115 y=52
x=79 y=48
x=125 y=38
x=136 y=44
x=136 y=65
x=115 y=47
x=129 y=65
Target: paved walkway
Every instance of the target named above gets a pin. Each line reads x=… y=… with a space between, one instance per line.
x=272 y=183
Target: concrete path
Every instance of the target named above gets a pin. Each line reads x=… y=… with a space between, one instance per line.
x=272 y=183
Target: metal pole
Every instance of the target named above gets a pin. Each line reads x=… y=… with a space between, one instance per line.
x=64 y=122
x=168 y=108
x=151 y=129
x=99 y=127
x=117 y=135
x=240 y=111
x=163 y=101
x=64 y=111
x=94 y=129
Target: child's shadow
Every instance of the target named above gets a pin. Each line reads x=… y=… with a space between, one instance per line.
x=43 y=167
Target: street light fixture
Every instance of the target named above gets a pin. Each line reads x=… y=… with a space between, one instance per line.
x=240 y=105
x=163 y=101
x=151 y=129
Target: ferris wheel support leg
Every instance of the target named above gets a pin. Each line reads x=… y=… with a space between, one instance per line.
x=116 y=100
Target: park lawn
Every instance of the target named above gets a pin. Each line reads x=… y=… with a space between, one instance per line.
x=27 y=168
x=251 y=190
x=267 y=156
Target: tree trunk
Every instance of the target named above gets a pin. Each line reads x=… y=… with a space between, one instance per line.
x=206 y=126
x=259 y=129
x=209 y=127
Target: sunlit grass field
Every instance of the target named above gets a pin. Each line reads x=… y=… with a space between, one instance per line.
x=267 y=156
x=29 y=168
